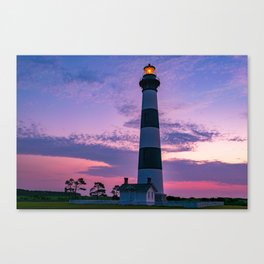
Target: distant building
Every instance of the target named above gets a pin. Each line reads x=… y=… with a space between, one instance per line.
x=137 y=194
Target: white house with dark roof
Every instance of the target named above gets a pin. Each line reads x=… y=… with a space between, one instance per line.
x=137 y=194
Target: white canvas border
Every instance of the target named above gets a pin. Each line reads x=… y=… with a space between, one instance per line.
x=131 y=27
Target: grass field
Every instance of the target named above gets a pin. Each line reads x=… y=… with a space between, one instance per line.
x=66 y=205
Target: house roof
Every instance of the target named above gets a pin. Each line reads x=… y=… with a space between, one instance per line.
x=139 y=187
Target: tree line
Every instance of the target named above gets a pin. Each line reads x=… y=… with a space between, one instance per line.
x=98 y=189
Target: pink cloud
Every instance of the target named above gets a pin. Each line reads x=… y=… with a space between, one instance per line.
x=36 y=172
x=205 y=189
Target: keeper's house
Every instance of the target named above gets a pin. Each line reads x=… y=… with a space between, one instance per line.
x=137 y=194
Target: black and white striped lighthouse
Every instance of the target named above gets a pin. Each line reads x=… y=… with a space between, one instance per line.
x=150 y=163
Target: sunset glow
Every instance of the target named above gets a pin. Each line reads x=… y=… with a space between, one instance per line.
x=79 y=116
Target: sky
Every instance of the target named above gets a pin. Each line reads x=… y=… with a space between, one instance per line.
x=79 y=116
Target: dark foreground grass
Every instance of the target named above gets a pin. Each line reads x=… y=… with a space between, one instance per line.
x=66 y=205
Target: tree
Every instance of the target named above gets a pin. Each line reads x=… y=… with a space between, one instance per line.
x=98 y=190
x=73 y=186
x=69 y=185
x=116 y=192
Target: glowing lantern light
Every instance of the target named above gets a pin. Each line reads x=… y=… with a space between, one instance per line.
x=149 y=69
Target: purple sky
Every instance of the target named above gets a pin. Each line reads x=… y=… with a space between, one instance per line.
x=78 y=116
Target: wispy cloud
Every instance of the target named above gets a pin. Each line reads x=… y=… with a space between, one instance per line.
x=181 y=134
x=114 y=79
x=124 y=161
x=128 y=108
x=29 y=131
x=237 y=139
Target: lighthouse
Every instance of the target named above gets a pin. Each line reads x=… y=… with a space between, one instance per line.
x=149 y=188
x=149 y=162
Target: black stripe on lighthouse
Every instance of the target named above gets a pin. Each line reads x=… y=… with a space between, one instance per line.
x=150 y=158
x=149 y=118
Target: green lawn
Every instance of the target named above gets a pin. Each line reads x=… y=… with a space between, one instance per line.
x=66 y=205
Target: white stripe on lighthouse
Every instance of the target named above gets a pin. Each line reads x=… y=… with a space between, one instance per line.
x=149 y=137
x=149 y=99
x=156 y=177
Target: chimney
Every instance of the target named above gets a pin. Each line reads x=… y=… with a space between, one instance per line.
x=149 y=179
x=126 y=181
